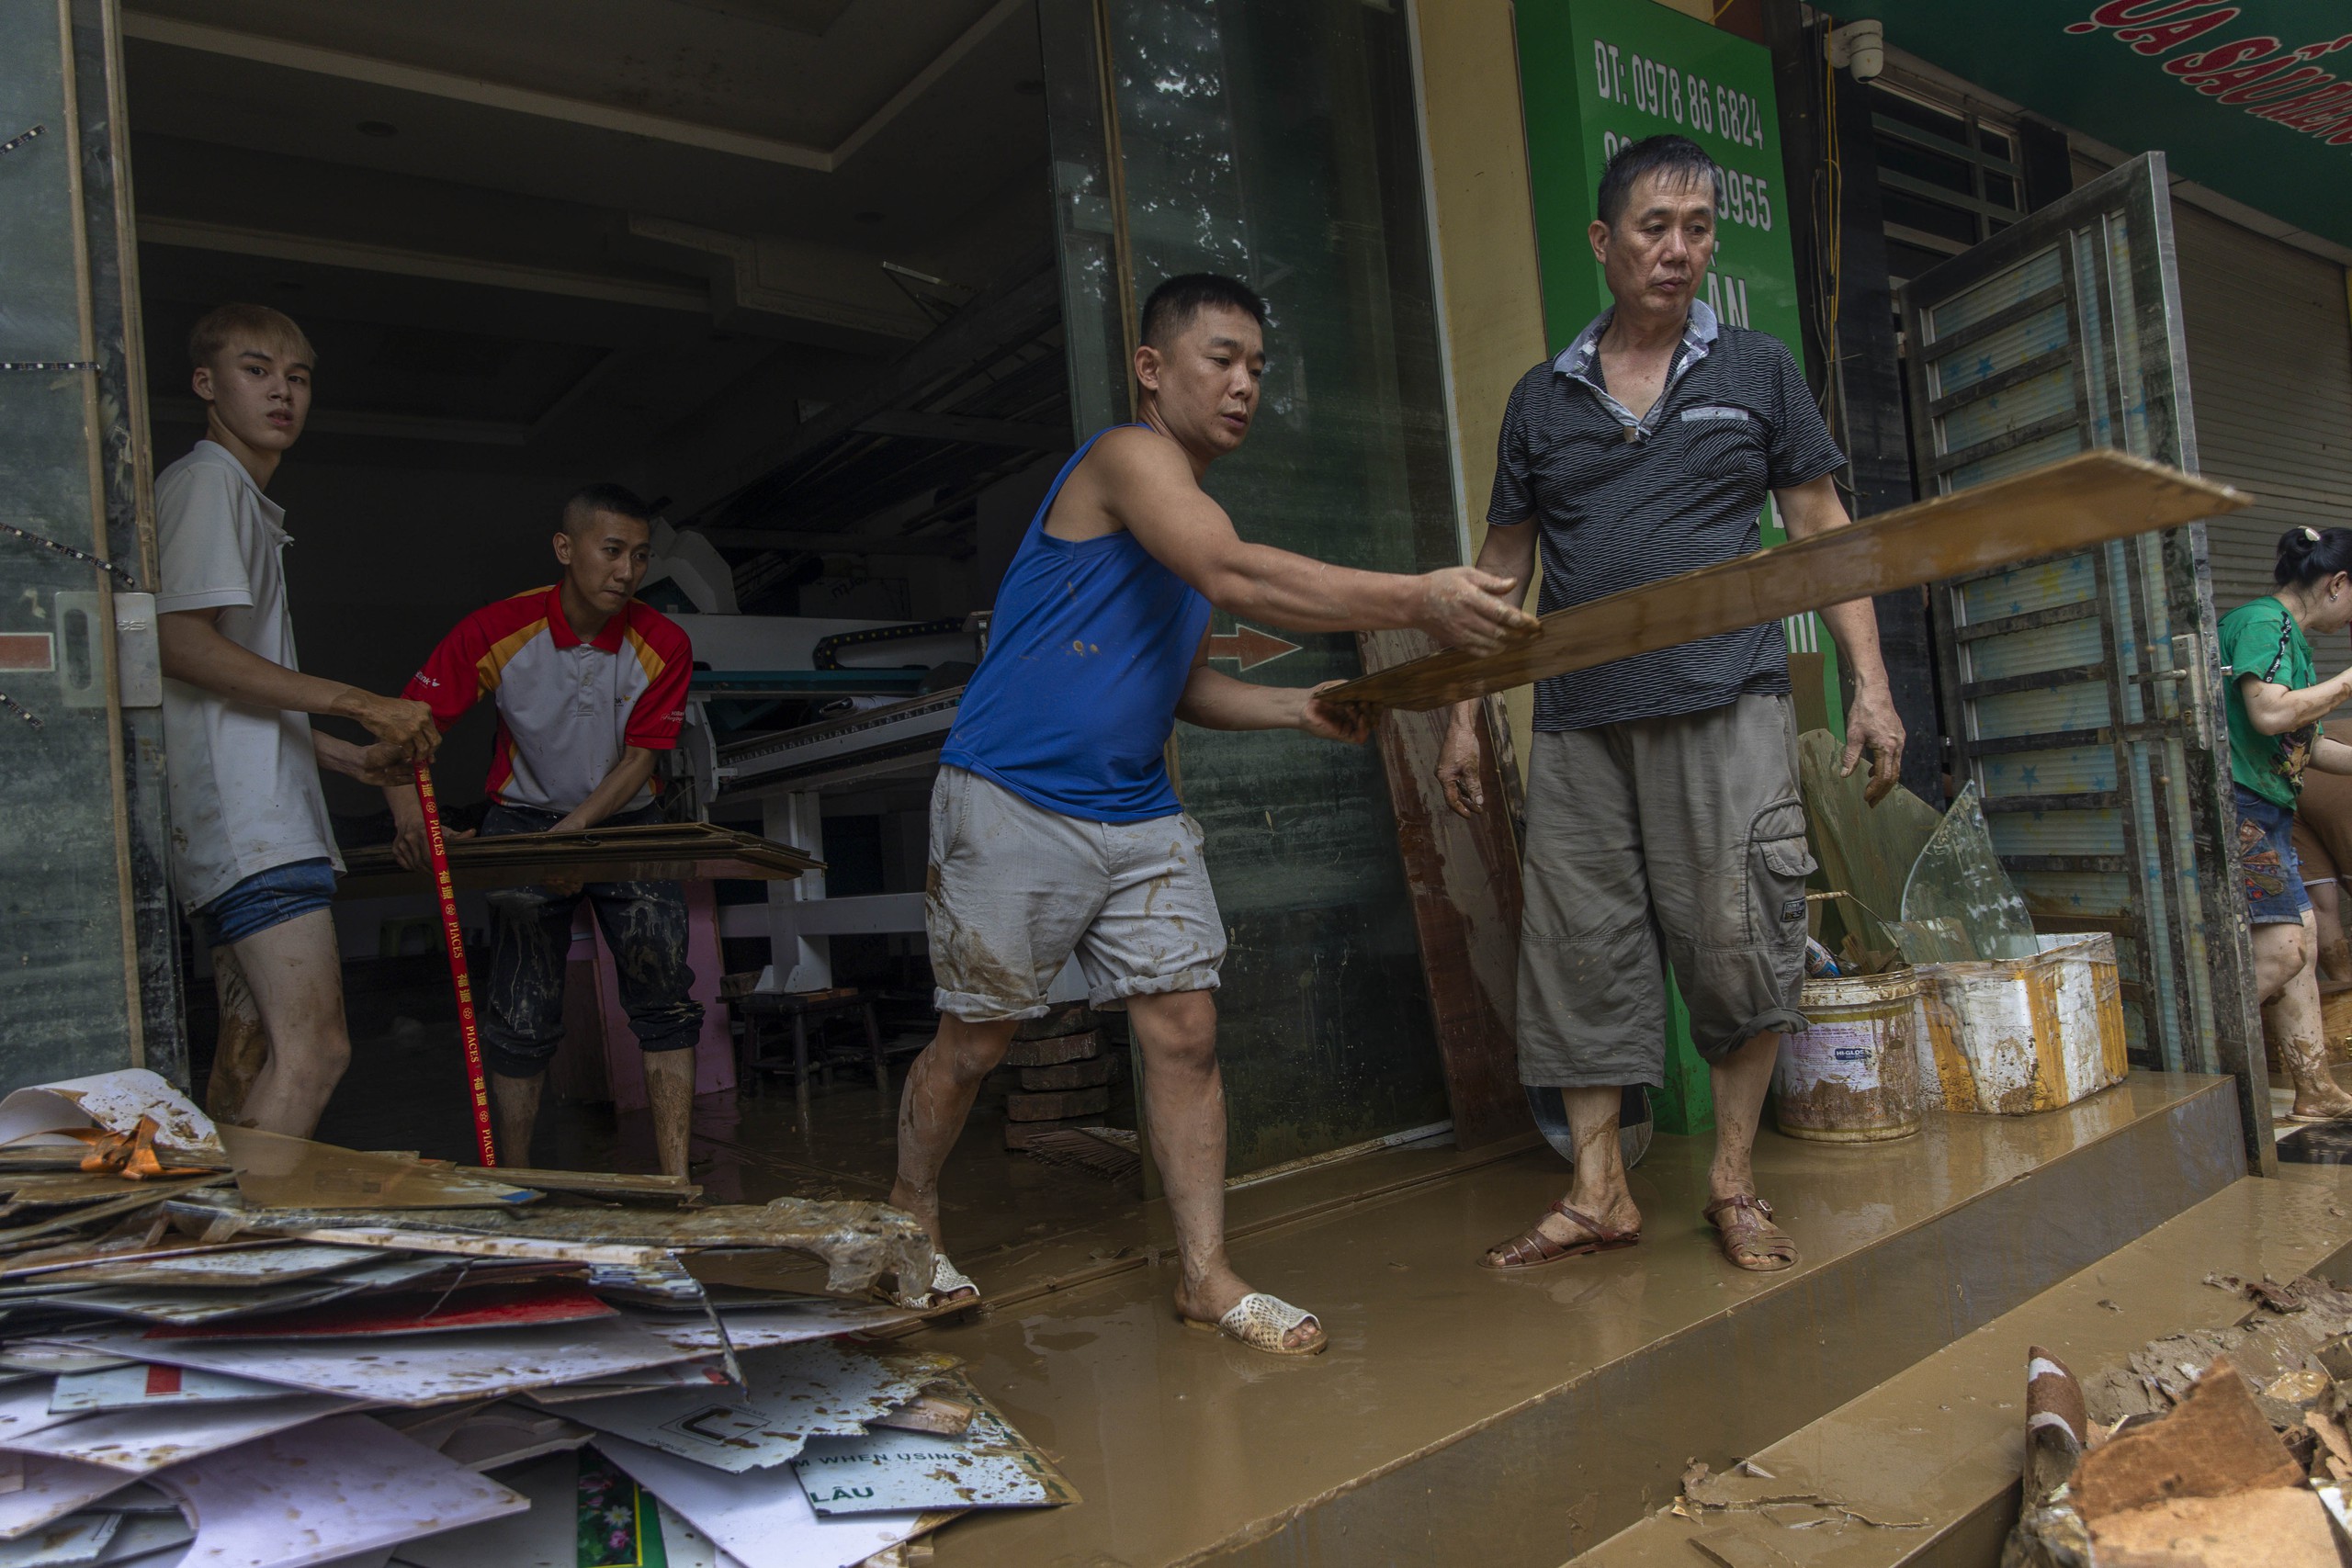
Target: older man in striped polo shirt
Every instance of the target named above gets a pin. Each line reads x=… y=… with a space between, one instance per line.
x=591 y=689
x=1662 y=790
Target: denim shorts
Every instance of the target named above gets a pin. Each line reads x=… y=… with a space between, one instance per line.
x=266 y=898
x=2274 y=879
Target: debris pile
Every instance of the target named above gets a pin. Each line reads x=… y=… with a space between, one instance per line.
x=221 y=1345
x=2216 y=1446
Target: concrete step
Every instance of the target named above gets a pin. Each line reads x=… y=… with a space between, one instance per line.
x=1460 y=1417
x=1939 y=1446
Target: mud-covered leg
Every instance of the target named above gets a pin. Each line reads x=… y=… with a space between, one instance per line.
x=645 y=926
x=1184 y=1096
x=521 y=1006
x=2295 y=1025
x=939 y=1089
x=243 y=1048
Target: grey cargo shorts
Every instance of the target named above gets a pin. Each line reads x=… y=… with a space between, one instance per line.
x=1014 y=889
x=1675 y=840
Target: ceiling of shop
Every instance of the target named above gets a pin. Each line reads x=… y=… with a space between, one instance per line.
x=528 y=230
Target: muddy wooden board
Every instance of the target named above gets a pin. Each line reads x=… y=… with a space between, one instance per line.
x=1463 y=876
x=652 y=852
x=2068 y=505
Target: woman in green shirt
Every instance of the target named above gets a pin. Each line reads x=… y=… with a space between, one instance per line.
x=2275 y=706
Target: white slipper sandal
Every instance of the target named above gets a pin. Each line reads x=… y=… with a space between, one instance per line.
x=1263 y=1321
x=947 y=1281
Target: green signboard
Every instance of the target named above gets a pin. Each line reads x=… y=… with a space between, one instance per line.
x=2252 y=99
x=1598 y=74
x=1595 y=75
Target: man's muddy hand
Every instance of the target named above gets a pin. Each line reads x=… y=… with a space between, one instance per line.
x=1873 y=724
x=1473 y=610
x=1458 y=771
x=406 y=726
x=1351 y=722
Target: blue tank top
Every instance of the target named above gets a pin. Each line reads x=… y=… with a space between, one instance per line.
x=1089 y=652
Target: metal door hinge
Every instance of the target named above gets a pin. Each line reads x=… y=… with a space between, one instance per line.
x=138 y=656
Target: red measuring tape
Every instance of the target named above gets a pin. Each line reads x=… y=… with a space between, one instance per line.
x=452 y=938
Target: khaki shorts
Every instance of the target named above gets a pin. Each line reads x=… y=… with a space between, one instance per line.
x=1674 y=839
x=1014 y=890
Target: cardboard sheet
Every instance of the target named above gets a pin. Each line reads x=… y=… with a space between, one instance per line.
x=890 y=1472
x=755 y=1519
x=419 y=1370
x=544 y=1303
x=341 y=1486
x=139 y=1442
x=53 y=1489
x=546 y=1537
x=143 y=1538
x=114 y=1101
x=228 y=1268
x=75 y=1539
x=143 y=1386
x=277 y=1171
x=194 y=1305
x=764 y=1326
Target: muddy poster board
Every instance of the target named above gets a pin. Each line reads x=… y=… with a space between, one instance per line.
x=1275 y=140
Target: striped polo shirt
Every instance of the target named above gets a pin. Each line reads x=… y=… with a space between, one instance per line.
x=1622 y=501
x=567 y=710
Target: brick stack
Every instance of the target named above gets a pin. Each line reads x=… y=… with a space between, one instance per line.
x=1064 y=1075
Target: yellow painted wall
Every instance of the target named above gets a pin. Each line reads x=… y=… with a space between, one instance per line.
x=1485 y=242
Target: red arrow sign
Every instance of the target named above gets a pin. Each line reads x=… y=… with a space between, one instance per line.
x=1250 y=647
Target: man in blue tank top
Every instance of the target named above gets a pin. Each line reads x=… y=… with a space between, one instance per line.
x=1054 y=828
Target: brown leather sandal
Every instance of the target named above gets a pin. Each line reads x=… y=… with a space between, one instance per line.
x=1751 y=1240
x=1532 y=1249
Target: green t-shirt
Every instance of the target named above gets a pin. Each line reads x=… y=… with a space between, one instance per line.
x=2262 y=639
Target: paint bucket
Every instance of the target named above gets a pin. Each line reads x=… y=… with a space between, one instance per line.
x=2013 y=1036
x=1853 y=1078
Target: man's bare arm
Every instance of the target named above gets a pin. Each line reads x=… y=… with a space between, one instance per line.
x=1149 y=487
x=1814 y=508
x=1215 y=700
x=194 y=651
x=620 y=786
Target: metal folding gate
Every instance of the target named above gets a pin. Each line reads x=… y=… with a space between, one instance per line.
x=2083 y=691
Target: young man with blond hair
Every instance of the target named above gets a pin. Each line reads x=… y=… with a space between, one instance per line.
x=252 y=856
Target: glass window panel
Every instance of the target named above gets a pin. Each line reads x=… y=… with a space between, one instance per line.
x=1955 y=175
x=2038 y=333
x=1276 y=140
x=1886 y=100
x=1995 y=143
x=2002 y=191
x=1929 y=216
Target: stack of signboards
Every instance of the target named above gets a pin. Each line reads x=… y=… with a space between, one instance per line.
x=224 y=1346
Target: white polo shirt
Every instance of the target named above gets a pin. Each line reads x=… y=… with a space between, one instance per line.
x=243 y=781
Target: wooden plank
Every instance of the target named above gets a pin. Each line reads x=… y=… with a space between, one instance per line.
x=653 y=851
x=2078 y=501
x=1464 y=879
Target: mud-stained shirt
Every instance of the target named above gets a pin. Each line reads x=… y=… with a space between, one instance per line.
x=567 y=708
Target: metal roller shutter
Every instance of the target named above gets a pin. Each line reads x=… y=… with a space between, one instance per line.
x=2270 y=376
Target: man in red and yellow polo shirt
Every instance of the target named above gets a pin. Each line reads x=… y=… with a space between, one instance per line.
x=591 y=688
